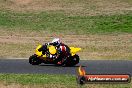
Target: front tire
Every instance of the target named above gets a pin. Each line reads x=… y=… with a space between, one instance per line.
x=34 y=60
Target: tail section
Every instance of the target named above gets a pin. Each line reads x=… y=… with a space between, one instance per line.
x=74 y=50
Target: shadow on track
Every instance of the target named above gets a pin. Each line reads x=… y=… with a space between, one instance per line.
x=52 y=65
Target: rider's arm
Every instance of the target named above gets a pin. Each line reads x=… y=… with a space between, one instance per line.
x=43 y=49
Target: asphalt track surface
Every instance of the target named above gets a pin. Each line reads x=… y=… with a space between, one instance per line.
x=91 y=66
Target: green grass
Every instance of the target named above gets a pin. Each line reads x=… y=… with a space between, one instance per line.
x=58 y=22
x=38 y=79
x=42 y=79
x=128 y=1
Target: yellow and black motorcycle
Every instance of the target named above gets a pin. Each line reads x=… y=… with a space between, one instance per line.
x=39 y=58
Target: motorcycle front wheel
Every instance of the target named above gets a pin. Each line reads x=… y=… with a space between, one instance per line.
x=34 y=60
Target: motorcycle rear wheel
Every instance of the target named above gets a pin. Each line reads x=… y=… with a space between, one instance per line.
x=72 y=61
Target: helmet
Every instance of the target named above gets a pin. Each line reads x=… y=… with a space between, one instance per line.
x=56 y=41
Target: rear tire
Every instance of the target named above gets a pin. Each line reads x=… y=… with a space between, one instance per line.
x=72 y=61
x=34 y=60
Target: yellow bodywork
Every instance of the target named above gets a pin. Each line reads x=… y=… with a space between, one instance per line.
x=52 y=50
x=74 y=50
x=38 y=52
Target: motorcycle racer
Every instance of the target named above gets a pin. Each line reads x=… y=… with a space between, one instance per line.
x=56 y=53
x=62 y=50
